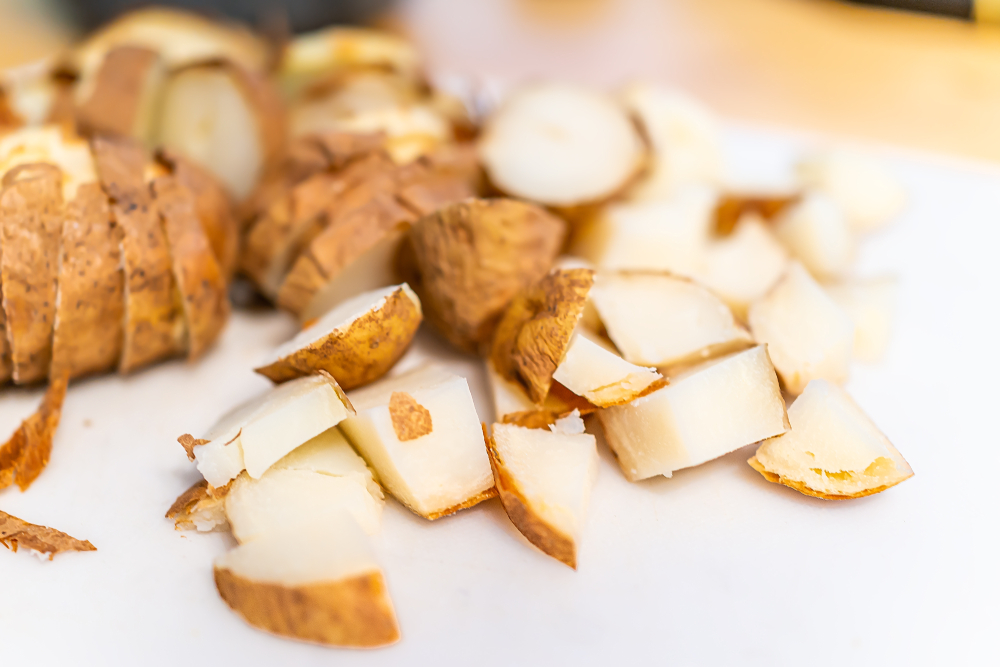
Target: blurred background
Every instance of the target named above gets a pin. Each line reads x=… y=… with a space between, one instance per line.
x=907 y=78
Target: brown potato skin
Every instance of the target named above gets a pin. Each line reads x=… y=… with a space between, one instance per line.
x=15 y=533
x=805 y=490
x=88 y=326
x=355 y=612
x=468 y=260
x=31 y=210
x=362 y=353
x=115 y=103
x=25 y=455
x=465 y=504
x=6 y=367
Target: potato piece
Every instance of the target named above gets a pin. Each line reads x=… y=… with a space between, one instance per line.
x=684 y=136
x=544 y=478
x=52 y=145
x=258 y=433
x=866 y=191
x=29 y=91
x=594 y=154
x=6 y=364
x=154 y=316
x=226 y=118
x=329 y=453
x=511 y=404
x=732 y=208
x=356 y=342
x=202 y=286
x=421 y=434
x=706 y=413
x=320 y=585
x=870 y=304
x=25 y=455
x=660 y=320
x=816 y=233
x=90 y=307
x=122 y=96
x=470 y=259
x=745 y=265
x=201 y=508
x=534 y=332
x=668 y=235
x=807 y=334
x=31 y=213
x=15 y=533
x=591 y=370
x=833 y=451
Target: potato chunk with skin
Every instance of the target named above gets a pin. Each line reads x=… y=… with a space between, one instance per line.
x=591 y=370
x=544 y=478
x=815 y=232
x=420 y=433
x=661 y=320
x=870 y=304
x=833 y=450
x=808 y=335
x=703 y=414
x=866 y=191
x=320 y=584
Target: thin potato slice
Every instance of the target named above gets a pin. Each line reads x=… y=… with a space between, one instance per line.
x=833 y=450
x=16 y=533
x=25 y=455
x=356 y=342
x=90 y=309
x=123 y=97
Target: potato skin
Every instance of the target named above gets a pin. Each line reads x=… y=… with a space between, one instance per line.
x=362 y=353
x=116 y=101
x=468 y=260
x=31 y=210
x=805 y=490
x=355 y=612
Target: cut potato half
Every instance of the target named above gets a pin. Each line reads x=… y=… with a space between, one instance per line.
x=808 y=335
x=561 y=145
x=660 y=320
x=319 y=584
x=816 y=233
x=868 y=193
x=870 y=304
x=544 y=478
x=123 y=95
x=356 y=342
x=833 y=451
x=421 y=434
x=706 y=413
x=593 y=371
x=258 y=433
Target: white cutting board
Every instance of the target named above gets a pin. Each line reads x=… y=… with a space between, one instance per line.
x=713 y=567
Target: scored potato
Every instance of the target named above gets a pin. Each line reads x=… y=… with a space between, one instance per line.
x=656 y=319
x=807 y=334
x=468 y=260
x=420 y=433
x=356 y=342
x=319 y=584
x=53 y=145
x=561 y=145
x=833 y=450
x=711 y=410
x=595 y=372
x=544 y=478
x=861 y=186
x=815 y=232
x=869 y=303
x=122 y=97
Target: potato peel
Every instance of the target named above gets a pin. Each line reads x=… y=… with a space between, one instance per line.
x=410 y=420
x=24 y=456
x=16 y=533
x=121 y=99
x=201 y=499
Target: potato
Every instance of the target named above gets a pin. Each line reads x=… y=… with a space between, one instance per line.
x=816 y=232
x=201 y=507
x=122 y=99
x=468 y=261
x=18 y=534
x=356 y=342
x=591 y=369
x=53 y=145
x=25 y=455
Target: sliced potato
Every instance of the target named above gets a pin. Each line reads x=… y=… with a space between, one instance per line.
x=861 y=186
x=808 y=335
x=656 y=319
x=420 y=433
x=122 y=98
x=318 y=584
x=53 y=145
x=833 y=451
x=544 y=478
x=870 y=304
x=468 y=261
x=561 y=145
x=595 y=372
x=255 y=435
x=90 y=308
x=356 y=342
x=706 y=413
x=816 y=233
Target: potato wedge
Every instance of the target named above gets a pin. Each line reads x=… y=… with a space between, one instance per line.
x=595 y=372
x=356 y=342
x=122 y=99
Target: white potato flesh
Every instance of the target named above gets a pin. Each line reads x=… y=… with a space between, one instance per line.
x=30 y=90
x=560 y=145
x=329 y=453
x=686 y=141
x=808 y=335
x=599 y=375
x=816 y=232
x=704 y=414
x=438 y=470
x=207 y=117
x=260 y=432
x=743 y=266
x=49 y=144
x=508 y=397
x=668 y=235
x=870 y=305
x=869 y=194
x=282 y=497
x=554 y=471
x=833 y=447
x=660 y=320
x=296 y=556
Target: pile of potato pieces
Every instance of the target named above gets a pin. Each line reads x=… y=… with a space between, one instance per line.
x=676 y=325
